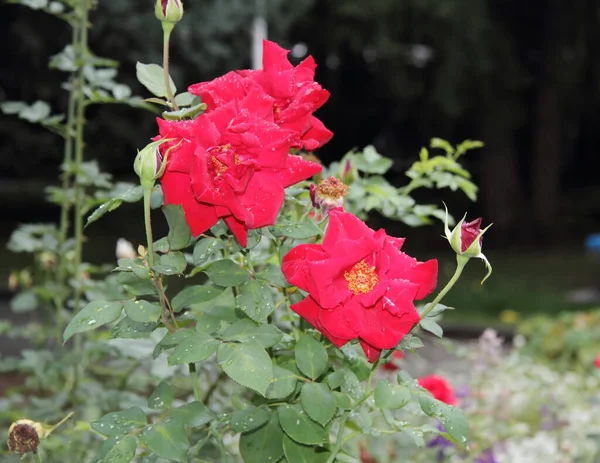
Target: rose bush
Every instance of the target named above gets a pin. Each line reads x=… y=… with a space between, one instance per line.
x=196 y=346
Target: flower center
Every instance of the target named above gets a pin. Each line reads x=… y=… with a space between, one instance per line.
x=361 y=278
x=217 y=153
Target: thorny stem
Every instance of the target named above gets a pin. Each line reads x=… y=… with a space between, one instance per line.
x=339 y=439
x=461 y=261
x=195 y=383
x=167 y=28
x=148 y=226
x=66 y=202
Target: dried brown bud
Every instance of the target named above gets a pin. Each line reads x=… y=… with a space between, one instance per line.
x=24 y=436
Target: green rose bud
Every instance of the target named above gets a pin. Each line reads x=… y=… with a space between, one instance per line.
x=170 y=11
x=149 y=164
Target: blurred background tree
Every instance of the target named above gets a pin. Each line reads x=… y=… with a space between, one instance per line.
x=522 y=76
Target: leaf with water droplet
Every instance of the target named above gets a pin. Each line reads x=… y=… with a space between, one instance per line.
x=255 y=299
x=246 y=330
x=92 y=316
x=391 y=396
x=117 y=450
x=247 y=364
x=249 y=418
x=193 y=414
x=264 y=444
x=167 y=440
x=120 y=423
x=194 y=295
x=298 y=453
x=300 y=427
x=284 y=383
x=162 y=397
x=311 y=356
x=142 y=311
x=226 y=272
x=319 y=402
x=194 y=348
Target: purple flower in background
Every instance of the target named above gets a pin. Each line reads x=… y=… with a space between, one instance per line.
x=486 y=457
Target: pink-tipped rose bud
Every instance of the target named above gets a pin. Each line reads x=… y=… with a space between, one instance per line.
x=149 y=164
x=170 y=11
x=347 y=172
x=328 y=194
x=466 y=239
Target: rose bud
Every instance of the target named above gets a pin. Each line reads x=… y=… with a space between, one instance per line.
x=125 y=249
x=149 y=164
x=24 y=436
x=347 y=172
x=466 y=240
x=328 y=194
x=170 y=11
x=13 y=280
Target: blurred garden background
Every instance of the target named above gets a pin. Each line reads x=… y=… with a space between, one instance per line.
x=521 y=76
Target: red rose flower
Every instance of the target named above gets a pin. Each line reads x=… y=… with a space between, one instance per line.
x=439 y=388
x=469 y=233
x=392 y=365
x=232 y=163
x=295 y=95
x=360 y=284
x=597 y=362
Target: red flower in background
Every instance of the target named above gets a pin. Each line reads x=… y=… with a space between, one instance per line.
x=360 y=285
x=597 y=362
x=439 y=388
x=392 y=365
x=231 y=163
x=295 y=95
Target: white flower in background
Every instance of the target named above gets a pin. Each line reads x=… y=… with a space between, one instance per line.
x=125 y=249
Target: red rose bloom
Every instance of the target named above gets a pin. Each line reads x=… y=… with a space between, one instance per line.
x=232 y=163
x=597 y=362
x=392 y=365
x=469 y=231
x=439 y=388
x=295 y=95
x=360 y=284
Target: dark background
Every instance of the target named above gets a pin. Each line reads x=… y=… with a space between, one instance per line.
x=523 y=76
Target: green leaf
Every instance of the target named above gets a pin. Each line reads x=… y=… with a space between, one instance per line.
x=120 y=423
x=431 y=325
x=255 y=300
x=429 y=404
x=185 y=113
x=318 y=402
x=297 y=230
x=391 y=396
x=442 y=144
x=152 y=77
x=195 y=348
x=246 y=330
x=263 y=444
x=142 y=311
x=179 y=235
x=194 y=414
x=311 y=356
x=135 y=285
x=193 y=295
x=167 y=440
x=126 y=328
x=438 y=309
x=272 y=274
x=185 y=99
x=455 y=423
x=298 y=453
x=249 y=418
x=370 y=161
x=132 y=195
x=92 y=316
x=117 y=450
x=283 y=384
x=162 y=397
x=247 y=364
x=226 y=272
x=205 y=249
x=171 y=340
x=173 y=263
x=25 y=301
x=300 y=427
